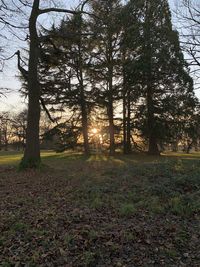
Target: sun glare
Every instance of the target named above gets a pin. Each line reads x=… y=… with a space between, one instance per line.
x=94 y=131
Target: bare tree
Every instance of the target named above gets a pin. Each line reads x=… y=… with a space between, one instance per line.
x=5 y=130
x=188 y=23
x=19 y=124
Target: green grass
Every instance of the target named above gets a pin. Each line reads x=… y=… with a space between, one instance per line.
x=48 y=156
x=127 y=209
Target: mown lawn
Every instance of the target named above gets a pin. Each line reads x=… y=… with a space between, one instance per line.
x=100 y=211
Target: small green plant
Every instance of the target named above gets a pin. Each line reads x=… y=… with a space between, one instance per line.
x=181 y=207
x=5 y=264
x=155 y=205
x=89 y=258
x=179 y=167
x=182 y=237
x=176 y=206
x=127 y=209
x=152 y=203
x=92 y=234
x=129 y=236
x=96 y=203
x=19 y=227
x=171 y=253
x=68 y=239
x=40 y=232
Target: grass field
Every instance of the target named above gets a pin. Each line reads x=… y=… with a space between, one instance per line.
x=123 y=211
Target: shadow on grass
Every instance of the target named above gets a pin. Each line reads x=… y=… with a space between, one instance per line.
x=69 y=156
x=183 y=156
x=60 y=159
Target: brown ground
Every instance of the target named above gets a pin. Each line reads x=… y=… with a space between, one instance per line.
x=101 y=213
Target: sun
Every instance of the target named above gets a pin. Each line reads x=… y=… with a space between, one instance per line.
x=94 y=130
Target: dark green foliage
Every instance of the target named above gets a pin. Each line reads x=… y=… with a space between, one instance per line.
x=65 y=136
x=120 y=69
x=157 y=70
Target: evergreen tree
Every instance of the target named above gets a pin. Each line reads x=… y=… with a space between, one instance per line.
x=106 y=52
x=161 y=69
x=130 y=55
x=65 y=63
x=122 y=59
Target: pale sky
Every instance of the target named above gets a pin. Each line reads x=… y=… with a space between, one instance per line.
x=13 y=101
x=8 y=78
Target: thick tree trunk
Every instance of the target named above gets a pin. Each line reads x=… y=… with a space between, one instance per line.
x=153 y=146
x=32 y=150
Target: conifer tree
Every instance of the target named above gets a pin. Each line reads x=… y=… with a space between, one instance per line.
x=105 y=64
x=64 y=70
x=161 y=68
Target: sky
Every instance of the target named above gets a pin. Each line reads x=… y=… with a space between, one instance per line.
x=13 y=101
x=8 y=78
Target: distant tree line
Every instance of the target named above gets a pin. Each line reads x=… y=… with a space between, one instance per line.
x=13 y=130
x=13 y=127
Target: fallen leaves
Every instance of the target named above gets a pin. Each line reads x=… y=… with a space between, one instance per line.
x=71 y=219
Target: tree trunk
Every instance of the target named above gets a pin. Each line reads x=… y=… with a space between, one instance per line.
x=84 y=112
x=110 y=114
x=6 y=138
x=175 y=146
x=84 y=122
x=111 y=127
x=124 y=106
x=32 y=151
x=129 y=149
x=0 y=140
x=6 y=144
x=110 y=96
x=153 y=146
x=189 y=147
x=124 y=122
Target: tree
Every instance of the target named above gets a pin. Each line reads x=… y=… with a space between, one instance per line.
x=66 y=58
x=19 y=125
x=5 y=130
x=122 y=59
x=32 y=151
x=161 y=68
x=106 y=27
x=188 y=13
x=130 y=53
